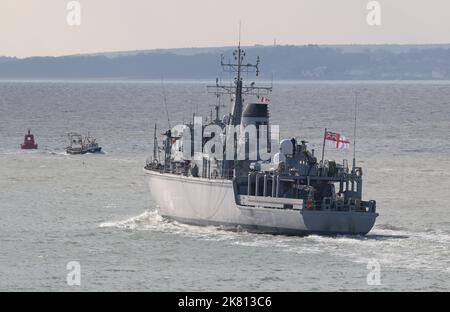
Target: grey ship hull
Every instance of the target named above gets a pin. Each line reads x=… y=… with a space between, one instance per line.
x=201 y=201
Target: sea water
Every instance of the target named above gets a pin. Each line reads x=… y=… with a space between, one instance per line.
x=98 y=211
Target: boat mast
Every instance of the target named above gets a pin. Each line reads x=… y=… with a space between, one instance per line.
x=155 y=146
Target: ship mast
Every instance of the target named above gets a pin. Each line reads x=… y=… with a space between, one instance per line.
x=237 y=107
x=239 y=89
x=218 y=105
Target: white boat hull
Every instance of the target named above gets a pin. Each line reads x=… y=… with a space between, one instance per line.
x=212 y=202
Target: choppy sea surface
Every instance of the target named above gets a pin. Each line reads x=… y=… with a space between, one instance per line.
x=97 y=209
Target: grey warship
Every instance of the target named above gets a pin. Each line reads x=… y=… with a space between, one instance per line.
x=291 y=192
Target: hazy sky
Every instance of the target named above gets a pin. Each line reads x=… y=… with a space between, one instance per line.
x=39 y=27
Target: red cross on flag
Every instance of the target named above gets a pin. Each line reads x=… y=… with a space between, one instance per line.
x=336 y=141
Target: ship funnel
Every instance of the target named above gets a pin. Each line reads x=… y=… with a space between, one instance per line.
x=255 y=114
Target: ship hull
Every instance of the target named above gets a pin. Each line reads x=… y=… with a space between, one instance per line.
x=200 y=201
x=94 y=150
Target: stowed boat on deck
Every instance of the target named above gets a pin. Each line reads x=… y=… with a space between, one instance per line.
x=291 y=193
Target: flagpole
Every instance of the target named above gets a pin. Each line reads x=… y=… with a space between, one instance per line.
x=323 y=146
x=354 y=133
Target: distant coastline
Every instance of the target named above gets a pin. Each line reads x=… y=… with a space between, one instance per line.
x=282 y=62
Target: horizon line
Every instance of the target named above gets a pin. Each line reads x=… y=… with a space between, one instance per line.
x=224 y=47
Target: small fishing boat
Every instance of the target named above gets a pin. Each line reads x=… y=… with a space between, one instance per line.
x=91 y=145
x=80 y=145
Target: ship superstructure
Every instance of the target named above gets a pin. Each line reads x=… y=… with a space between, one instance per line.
x=250 y=179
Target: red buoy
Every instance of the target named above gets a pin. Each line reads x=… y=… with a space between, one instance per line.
x=28 y=142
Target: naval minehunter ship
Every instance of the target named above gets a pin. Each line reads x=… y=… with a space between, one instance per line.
x=291 y=193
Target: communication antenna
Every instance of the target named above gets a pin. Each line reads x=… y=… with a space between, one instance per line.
x=165 y=101
x=240 y=26
x=155 y=146
x=354 y=131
